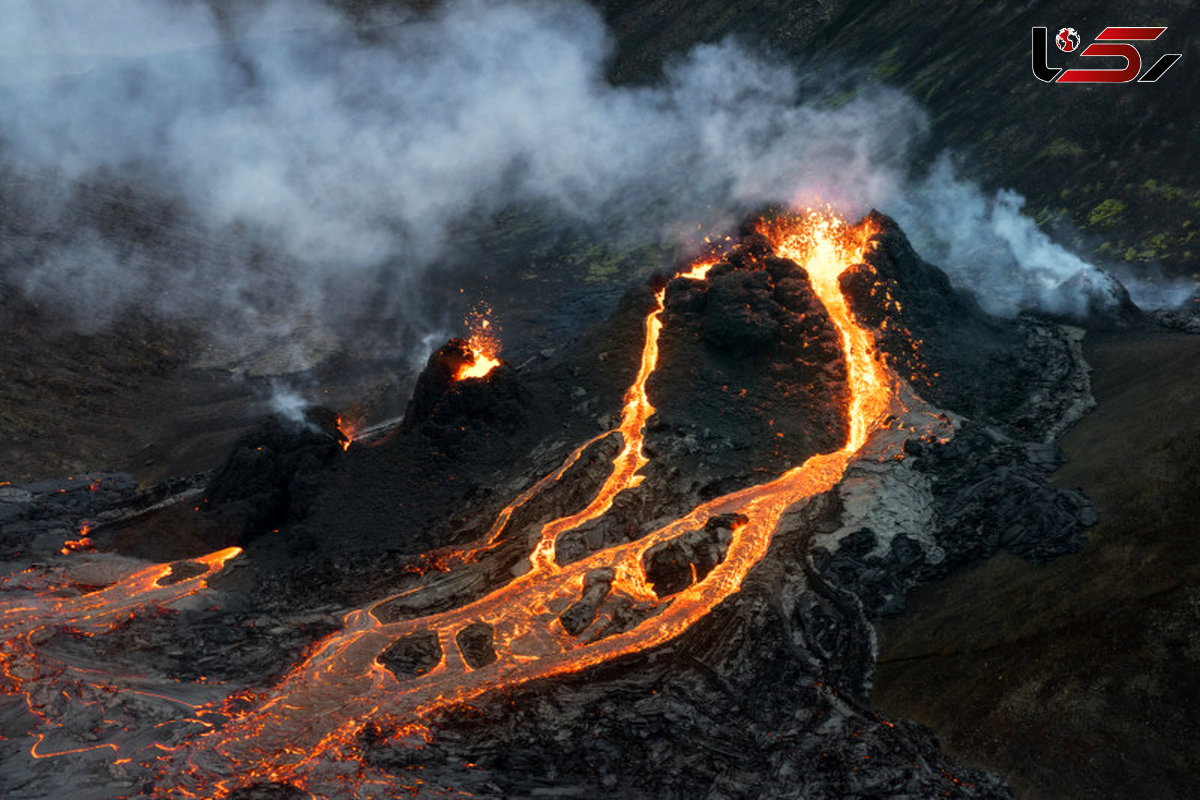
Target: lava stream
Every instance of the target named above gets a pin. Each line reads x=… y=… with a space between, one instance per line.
x=320 y=706
x=23 y=621
x=624 y=474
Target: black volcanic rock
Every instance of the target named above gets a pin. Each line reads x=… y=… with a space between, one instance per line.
x=750 y=381
x=1025 y=375
x=405 y=492
x=764 y=696
x=1184 y=317
x=463 y=450
x=596 y=586
x=625 y=521
x=1018 y=384
x=412 y=655
x=952 y=352
x=674 y=565
x=739 y=306
x=936 y=337
x=750 y=373
x=475 y=642
x=274 y=474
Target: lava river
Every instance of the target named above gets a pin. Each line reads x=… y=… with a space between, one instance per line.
x=305 y=730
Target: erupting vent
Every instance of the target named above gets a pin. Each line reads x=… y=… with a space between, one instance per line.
x=483 y=344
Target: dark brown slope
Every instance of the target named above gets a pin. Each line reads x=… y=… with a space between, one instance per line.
x=1081 y=677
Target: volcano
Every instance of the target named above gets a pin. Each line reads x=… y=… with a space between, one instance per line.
x=644 y=563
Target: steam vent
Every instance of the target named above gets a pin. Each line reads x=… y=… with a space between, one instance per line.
x=643 y=564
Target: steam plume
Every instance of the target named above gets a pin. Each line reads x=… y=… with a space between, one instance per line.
x=274 y=163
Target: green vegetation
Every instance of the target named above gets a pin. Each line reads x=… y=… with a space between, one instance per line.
x=1064 y=148
x=601 y=264
x=1107 y=214
x=888 y=64
x=1164 y=190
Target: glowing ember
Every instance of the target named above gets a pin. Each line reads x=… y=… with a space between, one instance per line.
x=347 y=430
x=84 y=542
x=483 y=344
x=699 y=269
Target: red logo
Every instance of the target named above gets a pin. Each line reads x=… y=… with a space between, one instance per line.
x=1067 y=40
x=1112 y=43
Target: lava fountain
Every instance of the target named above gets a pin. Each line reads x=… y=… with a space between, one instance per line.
x=483 y=345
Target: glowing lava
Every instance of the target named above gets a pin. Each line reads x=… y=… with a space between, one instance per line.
x=698 y=271
x=26 y=621
x=825 y=247
x=346 y=430
x=483 y=345
x=84 y=542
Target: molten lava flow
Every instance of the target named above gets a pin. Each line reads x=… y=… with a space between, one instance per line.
x=483 y=344
x=624 y=475
x=825 y=247
x=320 y=706
x=698 y=271
x=26 y=621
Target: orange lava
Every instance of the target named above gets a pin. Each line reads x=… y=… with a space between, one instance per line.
x=825 y=247
x=25 y=621
x=698 y=271
x=84 y=542
x=624 y=475
x=348 y=430
x=483 y=343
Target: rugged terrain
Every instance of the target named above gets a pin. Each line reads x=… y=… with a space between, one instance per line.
x=1110 y=168
x=782 y=668
x=1076 y=679
x=1061 y=675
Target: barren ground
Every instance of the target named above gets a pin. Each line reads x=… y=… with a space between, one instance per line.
x=1078 y=678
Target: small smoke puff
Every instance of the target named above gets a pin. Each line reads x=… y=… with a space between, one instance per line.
x=289 y=405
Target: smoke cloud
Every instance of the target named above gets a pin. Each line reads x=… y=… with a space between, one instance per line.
x=275 y=163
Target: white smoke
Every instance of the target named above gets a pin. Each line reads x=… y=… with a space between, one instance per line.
x=991 y=248
x=304 y=164
x=289 y=404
